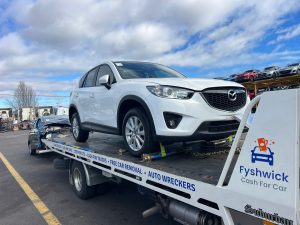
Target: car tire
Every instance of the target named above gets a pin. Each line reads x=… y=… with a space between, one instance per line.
x=80 y=187
x=32 y=150
x=137 y=133
x=79 y=134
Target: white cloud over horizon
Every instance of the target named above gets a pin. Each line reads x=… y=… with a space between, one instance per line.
x=42 y=40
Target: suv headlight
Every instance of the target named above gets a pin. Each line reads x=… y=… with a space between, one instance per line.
x=170 y=92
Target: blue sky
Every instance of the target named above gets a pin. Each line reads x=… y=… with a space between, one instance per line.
x=51 y=49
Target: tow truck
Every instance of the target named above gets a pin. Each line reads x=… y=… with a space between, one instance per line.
x=227 y=188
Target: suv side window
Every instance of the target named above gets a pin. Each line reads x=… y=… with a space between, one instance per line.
x=90 y=78
x=104 y=70
x=81 y=81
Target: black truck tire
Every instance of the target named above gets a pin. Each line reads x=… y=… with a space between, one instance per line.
x=80 y=187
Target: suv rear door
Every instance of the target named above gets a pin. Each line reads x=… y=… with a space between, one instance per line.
x=84 y=96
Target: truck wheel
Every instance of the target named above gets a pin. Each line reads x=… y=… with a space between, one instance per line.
x=78 y=134
x=32 y=150
x=80 y=187
x=137 y=133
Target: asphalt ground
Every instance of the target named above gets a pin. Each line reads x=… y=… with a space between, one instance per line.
x=121 y=204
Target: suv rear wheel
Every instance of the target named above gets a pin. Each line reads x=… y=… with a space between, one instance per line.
x=78 y=134
x=137 y=133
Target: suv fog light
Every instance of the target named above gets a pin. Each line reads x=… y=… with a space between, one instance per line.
x=172 y=120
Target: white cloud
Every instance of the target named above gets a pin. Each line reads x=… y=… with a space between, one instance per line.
x=70 y=36
x=11 y=45
x=290 y=33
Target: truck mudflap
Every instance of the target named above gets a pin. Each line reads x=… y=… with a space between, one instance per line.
x=264 y=183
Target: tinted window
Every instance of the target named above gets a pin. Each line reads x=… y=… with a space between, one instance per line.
x=89 y=81
x=133 y=70
x=105 y=70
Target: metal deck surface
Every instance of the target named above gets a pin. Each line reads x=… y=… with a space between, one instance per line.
x=185 y=164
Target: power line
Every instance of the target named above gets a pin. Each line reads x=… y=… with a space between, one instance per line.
x=51 y=96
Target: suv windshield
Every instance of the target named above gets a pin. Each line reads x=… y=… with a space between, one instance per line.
x=269 y=68
x=294 y=64
x=134 y=70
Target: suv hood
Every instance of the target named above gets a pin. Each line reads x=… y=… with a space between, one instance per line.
x=196 y=84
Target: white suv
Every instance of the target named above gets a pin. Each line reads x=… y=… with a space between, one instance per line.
x=149 y=103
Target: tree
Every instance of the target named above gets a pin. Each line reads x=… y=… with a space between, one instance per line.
x=24 y=96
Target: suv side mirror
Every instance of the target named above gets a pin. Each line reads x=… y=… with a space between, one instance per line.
x=104 y=80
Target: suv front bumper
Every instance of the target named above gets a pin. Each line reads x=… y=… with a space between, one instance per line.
x=199 y=120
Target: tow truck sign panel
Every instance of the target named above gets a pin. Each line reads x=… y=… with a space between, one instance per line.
x=267 y=166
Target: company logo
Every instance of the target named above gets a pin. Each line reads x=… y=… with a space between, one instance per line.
x=262 y=152
x=232 y=95
x=274 y=217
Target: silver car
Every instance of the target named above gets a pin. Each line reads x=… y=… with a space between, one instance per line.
x=290 y=69
x=270 y=72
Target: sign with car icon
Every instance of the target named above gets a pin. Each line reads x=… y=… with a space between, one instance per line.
x=262 y=152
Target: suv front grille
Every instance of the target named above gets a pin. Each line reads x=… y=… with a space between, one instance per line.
x=227 y=98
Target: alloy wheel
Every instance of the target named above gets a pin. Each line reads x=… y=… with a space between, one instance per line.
x=135 y=133
x=77 y=179
x=75 y=127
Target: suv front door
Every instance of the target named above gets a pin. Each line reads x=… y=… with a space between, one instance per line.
x=103 y=104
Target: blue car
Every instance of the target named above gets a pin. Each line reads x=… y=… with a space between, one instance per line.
x=263 y=157
x=42 y=127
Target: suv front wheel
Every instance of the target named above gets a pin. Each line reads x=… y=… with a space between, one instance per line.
x=137 y=133
x=78 y=134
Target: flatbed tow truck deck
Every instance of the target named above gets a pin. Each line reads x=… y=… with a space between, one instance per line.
x=206 y=168
x=260 y=184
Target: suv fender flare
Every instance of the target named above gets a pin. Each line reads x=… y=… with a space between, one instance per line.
x=145 y=107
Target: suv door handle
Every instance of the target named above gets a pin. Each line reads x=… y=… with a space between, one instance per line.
x=92 y=95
